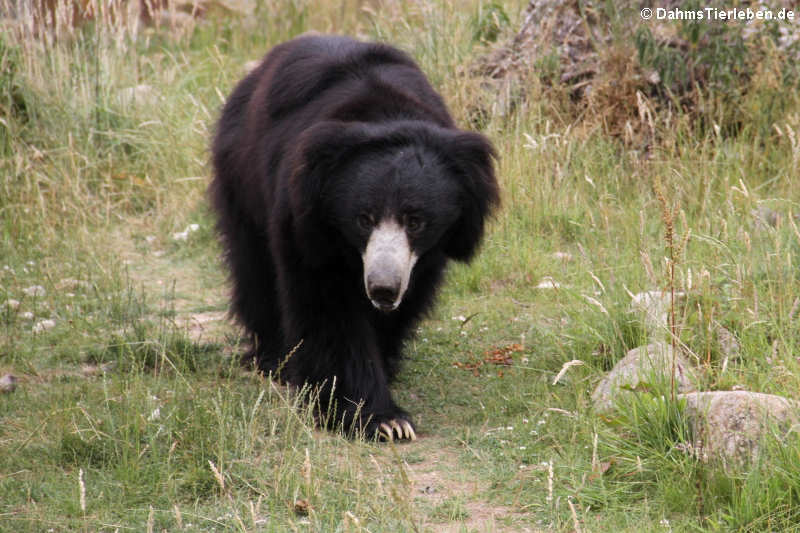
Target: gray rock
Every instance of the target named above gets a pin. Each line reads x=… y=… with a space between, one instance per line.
x=138 y=95
x=548 y=283
x=641 y=365
x=241 y=7
x=89 y=370
x=43 y=325
x=731 y=424
x=765 y=217
x=729 y=346
x=10 y=304
x=251 y=65
x=8 y=383
x=36 y=291
x=654 y=307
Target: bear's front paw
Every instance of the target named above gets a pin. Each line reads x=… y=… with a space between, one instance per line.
x=390 y=429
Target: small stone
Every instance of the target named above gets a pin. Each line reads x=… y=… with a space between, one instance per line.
x=184 y=235
x=90 y=370
x=140 y=95
x=34 y=291
x=44 y=325
x=177 y=20
x=654 y=306
x=764 y=216
x=548 y=283
x=10 y=304
x=637 y=368
x=241 y=7
x=250 y=66
x=302 y=507
x=728 y=343
x=8 y=383
x=71 y=284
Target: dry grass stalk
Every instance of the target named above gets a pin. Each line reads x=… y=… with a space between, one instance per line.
x=82 y=487
x=217 y=475
x=668 y=218
x=575 y=522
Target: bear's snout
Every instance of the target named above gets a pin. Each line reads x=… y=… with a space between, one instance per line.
x=384 y=282
x=388 y=262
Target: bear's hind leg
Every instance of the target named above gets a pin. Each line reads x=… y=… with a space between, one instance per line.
x=254 y=300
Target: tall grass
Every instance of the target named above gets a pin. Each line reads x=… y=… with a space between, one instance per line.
x=123 y=419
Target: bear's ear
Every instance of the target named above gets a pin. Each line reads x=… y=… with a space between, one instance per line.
x=320 y=151
x=471 y=158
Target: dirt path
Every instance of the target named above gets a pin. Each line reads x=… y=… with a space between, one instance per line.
x=443 y=493
x=197 y=293
x=450 y=497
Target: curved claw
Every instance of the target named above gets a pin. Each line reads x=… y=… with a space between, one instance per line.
x=396 y=427
x=386 y=431
x=408 y=430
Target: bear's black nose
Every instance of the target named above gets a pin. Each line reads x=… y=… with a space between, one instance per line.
x=383 y=288
x=384 y=297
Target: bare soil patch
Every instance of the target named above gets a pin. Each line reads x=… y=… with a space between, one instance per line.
x=441 y=485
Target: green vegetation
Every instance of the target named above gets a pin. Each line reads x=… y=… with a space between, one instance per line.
x=132 y=413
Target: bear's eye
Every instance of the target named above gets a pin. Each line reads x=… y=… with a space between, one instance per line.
x=365 y=221
x=413 y=223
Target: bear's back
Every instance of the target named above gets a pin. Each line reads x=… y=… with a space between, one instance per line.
x=332 y=77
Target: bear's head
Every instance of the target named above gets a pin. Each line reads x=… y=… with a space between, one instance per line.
x=390 y=193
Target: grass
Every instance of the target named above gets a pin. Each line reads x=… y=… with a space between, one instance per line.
x=131 y=412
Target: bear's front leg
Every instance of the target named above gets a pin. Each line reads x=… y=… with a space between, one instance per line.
x=340 y=352
x=353 y=386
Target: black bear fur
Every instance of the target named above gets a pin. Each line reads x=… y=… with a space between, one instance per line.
x=325 y=130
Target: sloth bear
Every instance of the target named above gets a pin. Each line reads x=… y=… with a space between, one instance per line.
x=342 y=187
